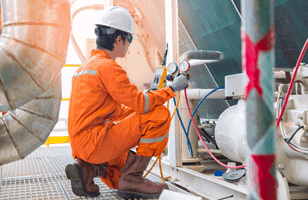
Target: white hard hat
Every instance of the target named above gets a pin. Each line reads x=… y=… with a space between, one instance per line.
x=117 y=17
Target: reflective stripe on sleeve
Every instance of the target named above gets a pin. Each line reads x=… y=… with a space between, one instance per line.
x=153 y=140
x=88 y=71
x=147 y=103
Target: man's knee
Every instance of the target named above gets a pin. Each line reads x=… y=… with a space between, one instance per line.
x=163 y=113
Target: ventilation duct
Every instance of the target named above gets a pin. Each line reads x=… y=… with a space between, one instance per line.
x=33 y=48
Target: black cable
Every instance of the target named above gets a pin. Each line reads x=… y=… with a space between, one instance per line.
x=208 y=137
x=165 y=56
x=204 y=138
x=289 y=140
x=225 y=197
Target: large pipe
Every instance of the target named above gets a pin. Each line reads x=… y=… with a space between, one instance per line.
x=79 y=52
x=200 y=93
x=33 y=48
x=202 y=55
x=258 y=62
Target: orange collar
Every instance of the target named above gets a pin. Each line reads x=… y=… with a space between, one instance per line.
x=96 y=52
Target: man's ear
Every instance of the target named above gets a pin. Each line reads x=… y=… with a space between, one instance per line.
x=118 y=39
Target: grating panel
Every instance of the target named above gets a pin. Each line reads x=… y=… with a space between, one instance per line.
x=30 y=178
x=41 y=176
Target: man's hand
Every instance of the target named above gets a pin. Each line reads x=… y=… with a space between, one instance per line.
x=180 y=82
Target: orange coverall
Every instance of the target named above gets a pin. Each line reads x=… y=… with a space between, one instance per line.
x=108 y=115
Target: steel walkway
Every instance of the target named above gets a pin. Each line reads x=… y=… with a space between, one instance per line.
x=41 y=176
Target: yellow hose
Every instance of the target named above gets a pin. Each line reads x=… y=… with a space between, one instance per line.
x=177 y=103
x=161 y=170
x=151 y=167
x=168 y=104
x=159 y=157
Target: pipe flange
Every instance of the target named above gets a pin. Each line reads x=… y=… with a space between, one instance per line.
x=234 y=176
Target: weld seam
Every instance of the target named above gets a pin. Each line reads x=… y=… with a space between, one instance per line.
x=22 y=65
x=26 y=127
x=35 y=23
x=9 y=133
x=5 y=92
x=61 y=59
x=37 y=114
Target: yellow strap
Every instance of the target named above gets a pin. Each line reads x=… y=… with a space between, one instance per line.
x=68 y=65
x=57 y=140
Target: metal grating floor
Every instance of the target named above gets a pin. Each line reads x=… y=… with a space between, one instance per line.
x=41 y=176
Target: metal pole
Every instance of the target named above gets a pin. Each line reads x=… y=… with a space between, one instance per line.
x=258 y=61
x=108 y=3
x=0 y=178
x=171 y=21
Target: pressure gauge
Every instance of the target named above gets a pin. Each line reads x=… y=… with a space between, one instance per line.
x=184 y=66
x=172 y=67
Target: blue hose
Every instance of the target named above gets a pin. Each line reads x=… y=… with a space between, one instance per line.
x=188 y=141
x=187 y=132
x=200 y=104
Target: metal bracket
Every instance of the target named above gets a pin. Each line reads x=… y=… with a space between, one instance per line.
x=206 y=186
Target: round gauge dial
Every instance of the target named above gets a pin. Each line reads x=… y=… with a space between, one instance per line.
x=172 y=67
x=184 y=66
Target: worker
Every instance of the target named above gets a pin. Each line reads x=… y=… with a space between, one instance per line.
x=108 y=116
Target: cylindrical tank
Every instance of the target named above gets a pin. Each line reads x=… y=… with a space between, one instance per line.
x=230 y=136
x=230 y=132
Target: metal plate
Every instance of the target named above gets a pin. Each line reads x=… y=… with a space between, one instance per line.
x=41 y=176
x=234 y=175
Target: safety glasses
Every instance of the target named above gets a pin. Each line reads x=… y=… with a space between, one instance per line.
x=129 y=38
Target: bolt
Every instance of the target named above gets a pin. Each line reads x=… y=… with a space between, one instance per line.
x=280 y=165
x=304 y=139
x=298 y=124
x=300 y=117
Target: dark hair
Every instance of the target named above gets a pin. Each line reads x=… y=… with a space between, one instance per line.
x=104 y=41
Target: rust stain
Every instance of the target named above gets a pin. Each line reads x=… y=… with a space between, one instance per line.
x=47 y=97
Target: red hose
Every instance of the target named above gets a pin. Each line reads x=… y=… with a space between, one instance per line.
x=292 y=81
x=192 y=119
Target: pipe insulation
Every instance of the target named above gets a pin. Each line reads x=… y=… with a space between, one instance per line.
x=202 y=55
x=200 y=93
x=33 y=48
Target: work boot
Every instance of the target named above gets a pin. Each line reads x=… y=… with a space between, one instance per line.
x=132 y=184
x=81 y=175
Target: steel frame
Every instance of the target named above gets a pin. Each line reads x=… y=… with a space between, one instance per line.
x=206 y=186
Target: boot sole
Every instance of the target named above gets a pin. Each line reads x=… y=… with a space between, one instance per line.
x=133 y=195
x=74 y=173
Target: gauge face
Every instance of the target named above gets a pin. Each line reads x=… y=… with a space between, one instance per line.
x=184 y=66
x=172 y=67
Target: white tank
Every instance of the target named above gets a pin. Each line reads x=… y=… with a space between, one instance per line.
x=230 y=132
